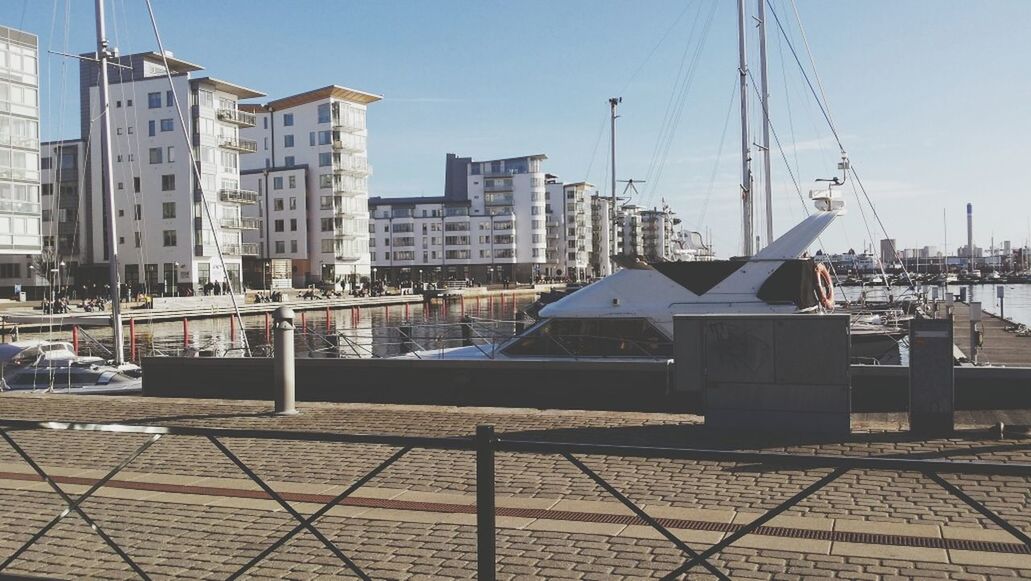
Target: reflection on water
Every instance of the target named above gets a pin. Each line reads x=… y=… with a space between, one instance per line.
x=367 y=332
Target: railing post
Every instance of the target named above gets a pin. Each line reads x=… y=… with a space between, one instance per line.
x=485 y=532
x=283 y=362
x=467 y=331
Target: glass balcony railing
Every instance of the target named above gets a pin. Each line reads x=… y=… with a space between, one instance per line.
x=237 y=196
x=238 y=117
x=240 y=223
x=245 y=249
x=348 y=142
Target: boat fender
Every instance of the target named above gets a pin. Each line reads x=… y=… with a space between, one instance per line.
x=824 y=287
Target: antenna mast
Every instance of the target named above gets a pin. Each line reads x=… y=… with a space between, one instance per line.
x=746 y=154
x=613 y=102
x=107 y=178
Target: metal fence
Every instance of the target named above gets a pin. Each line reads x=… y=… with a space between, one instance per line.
x=486 y=444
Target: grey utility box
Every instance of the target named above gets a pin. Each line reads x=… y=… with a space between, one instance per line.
x=782 y=373
x=932 y=388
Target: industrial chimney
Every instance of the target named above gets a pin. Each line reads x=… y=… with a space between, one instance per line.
x=970 y=236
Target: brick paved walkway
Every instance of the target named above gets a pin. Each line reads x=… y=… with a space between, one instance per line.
x=193 y=535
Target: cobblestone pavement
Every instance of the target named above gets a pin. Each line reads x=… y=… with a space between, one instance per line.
x=189 y=540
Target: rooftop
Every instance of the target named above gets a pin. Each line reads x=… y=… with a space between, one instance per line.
x=331 y=91
x=232 y=88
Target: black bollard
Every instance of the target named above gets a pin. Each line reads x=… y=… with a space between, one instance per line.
x=467 y=331
x=406 y=337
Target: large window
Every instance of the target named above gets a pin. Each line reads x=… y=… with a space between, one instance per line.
x=153 y=100
x=288 y=120
x=324 y=113
x=608 y=337
x=169 y=237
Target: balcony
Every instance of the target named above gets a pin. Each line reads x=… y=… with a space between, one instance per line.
x=240 y=223
x=352 y=165
x=237 y=117
x=498 y=200
x=346 y=123
x=237 y=144
x=245 y=249
x=237 y=196
x=348 y=142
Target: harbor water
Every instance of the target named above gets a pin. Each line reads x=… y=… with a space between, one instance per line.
x=1017 y=297
x=378 y=331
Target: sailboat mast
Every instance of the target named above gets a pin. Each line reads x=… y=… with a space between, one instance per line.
x=107 y=178
x=765 y=88
x=746 y=154
x=613 y=102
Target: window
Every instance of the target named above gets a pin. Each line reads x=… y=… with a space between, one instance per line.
x=168 y=210
x=168 y=182
x=139 y=238
x=136 y=185
x=293 y=224
x=166 y=125
x=128 y=103
x=155 y=155
x=277 y=204
x=293 y=200
x=153 y=100
x=326 y=224
x=327 y=246
x=288 y=119
x=169 y=99
x=325 y=159
x=326 y=180
x=292 y=183
x=288 y=140
x=168 y=237
x=137 y=212
x=278 y=226
x=118 y=104
x=151 y=128
x=293 y=246
x=289 y=162
x=610 y=337
x=325 y=137
x=311 y=139
x=324 y=113
x=277 y=184
x=171 y=154
x=280 y=247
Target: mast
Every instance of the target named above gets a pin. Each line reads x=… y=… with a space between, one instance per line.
x=746 y=154
x=107 y=177
x=612 y=107
x=765 y=88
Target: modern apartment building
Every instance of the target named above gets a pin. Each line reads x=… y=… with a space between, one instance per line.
x=488 y=226
x=659 y=234
x=313 y=146
x=600 y=255
x=629 y=231
x=169 y=224
x=20 y=208
x=569 y=229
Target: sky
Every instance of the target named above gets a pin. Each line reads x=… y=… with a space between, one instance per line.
x=928 y=97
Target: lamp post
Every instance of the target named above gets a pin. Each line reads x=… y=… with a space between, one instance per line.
x=175 y=281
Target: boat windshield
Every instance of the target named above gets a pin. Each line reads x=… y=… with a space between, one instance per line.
x=608 y=337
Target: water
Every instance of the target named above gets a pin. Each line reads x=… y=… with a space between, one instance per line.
x=1018 y=297
x=375 y=333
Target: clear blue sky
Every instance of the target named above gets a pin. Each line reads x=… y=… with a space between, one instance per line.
x=930 y=97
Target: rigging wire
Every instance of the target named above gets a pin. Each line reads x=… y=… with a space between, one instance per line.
x=196 y=171
x=594 y=153
x=651 y=53
x=719 y=157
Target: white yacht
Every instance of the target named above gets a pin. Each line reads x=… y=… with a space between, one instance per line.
x=629 y=314
x=39 y=365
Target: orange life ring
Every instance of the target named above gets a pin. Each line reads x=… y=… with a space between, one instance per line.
x=824 y=287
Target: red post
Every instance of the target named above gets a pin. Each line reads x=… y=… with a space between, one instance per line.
x=75 y=338
x=232 y=330
x=329 y=321
x=462 y=303
x=406 y=311
x=186 y=333
x=304 y=325
x=268 y=328
x=386 y=311
x=132 y=339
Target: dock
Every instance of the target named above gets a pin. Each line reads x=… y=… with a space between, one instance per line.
x=1000 y=347
x=182 y=509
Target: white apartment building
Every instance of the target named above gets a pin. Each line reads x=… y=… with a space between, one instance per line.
x=489 y=226
x=569 y=229
x=20 y=208
x=659 y=234
x=600 y=255
x=317 y=139
x=166 y=221
x=629 y=231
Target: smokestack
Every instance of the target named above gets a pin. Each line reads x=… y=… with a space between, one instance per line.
x=970 y=236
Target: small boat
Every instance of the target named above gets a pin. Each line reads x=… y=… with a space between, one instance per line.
x=39 y=365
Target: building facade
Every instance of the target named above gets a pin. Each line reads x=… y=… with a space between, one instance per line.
x=659 y=234
x=315 y=145
x=600 y=255
x=569 y=230
x=490 y=225
x=179 y=224
x=21 y=235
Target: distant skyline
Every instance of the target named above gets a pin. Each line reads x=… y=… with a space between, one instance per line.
x=928 y=97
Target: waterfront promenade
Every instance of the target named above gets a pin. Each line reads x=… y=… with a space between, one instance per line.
x=1001 y=347
x=183 y=509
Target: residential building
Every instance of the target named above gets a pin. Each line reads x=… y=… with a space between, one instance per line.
x=170 y=225
x=600 y=255
x=490 y=225
x=318 y=140
x=889 y=252
x=659 y=234
x=690 y=246
x=629 y=231
x=569 y=229
x=21 y=235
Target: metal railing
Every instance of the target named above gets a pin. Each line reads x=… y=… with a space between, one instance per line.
x=486 y=444
x=245 y=249
x=238 y=196
x=241 y=223
x=241 y=118
x=238 y=144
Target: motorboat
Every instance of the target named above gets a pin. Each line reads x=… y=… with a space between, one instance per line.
x=40 y=365
x=629 y=314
